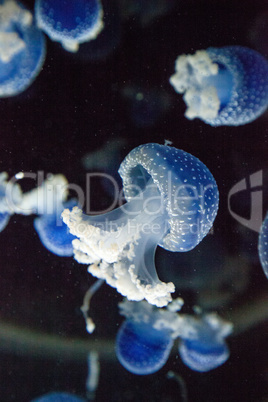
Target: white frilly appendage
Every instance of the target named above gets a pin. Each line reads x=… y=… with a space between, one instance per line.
x=191 y=78
x=119 y=247
x=44 y=199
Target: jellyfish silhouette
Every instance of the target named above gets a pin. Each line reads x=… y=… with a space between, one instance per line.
x=172 y=201
x=58 y=397
x=70 y=22
x=145 y=339
x=205 y=348
x=263 y=245
x=223 y=86
x=22 y=48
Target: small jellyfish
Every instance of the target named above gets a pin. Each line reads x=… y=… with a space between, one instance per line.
x=22 y=48
x=48 y=200
x=58 y=397
x=53 y=232
x=172 y=201
x=70 y=22
x=145 y=339
x=263 y=245
x=205 y=348
x=223 y=86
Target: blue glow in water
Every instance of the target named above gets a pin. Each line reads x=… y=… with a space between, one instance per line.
x=53 y=233
x=141 y=349
x=22 y=48
x=58 y=397
x=223 y=86
x=70 y=22
x=263 y=245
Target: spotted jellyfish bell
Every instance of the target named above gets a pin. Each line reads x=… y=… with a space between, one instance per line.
x=223 y=86
x=204 y=348
x=22 y=48
x=172 y=201
x=70 y=22
x=263 y=245
x=58 y=397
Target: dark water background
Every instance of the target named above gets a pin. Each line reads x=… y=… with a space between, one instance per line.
x=76 y=106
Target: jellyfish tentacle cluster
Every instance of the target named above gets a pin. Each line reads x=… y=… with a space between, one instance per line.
x=223 y=86
x=172 y=201
x=70 y=22
x=263 y=245
x=145 y=339
x=47 y=200
x=22 y=48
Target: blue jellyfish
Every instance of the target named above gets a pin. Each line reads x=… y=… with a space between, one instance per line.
x=146 y=337
x=172 y=200
x=70 y=22
x=141 y=348
x=204 y=348
x=53 y=233
x=58 y=397
x=223 y=86
x=22 y=48
x=263 y=245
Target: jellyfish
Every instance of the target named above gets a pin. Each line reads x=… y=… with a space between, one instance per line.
x=48 y=200
x=223 y=86
x=205 y=348
x=263 y=245
x=172 y=201
x=141 y=347
x=145 y=339
x=58 y=397
x=22 y=48
x=70 y=22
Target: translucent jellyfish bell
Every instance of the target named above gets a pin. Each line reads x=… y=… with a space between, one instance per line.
x=70 y=22
x=263 y=245
x=22 y=48
x=58 y=397
x=172 y=201
x=223 y=86
x=205 y=347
